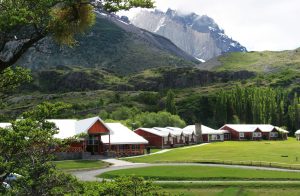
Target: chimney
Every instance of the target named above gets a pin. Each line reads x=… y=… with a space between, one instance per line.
x=198 y=129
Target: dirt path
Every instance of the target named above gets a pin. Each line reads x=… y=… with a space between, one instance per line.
x=167 y=150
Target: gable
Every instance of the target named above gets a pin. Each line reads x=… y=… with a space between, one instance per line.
x=258 y=130
x=226 y=128
x=97 y=128
x=275 y=130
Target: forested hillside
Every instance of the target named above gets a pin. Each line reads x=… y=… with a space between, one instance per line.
x=213 y=97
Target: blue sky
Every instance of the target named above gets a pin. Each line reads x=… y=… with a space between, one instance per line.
x=257 y=24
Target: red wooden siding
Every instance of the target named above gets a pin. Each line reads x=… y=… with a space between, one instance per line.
x=234 y=135
x=154 y=140
x=268 y=135
x=97 y=128
x=128 y=149
x=205 y=137
x=256 y=138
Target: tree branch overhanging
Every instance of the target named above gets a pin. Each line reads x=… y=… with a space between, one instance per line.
x=19 y=53
x=60 y=18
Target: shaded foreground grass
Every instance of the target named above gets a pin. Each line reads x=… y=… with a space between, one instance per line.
x=262 y=153
x=80 y=164
x=202 y=173
x=234 y=191
x=219 y=189
x=232 y=188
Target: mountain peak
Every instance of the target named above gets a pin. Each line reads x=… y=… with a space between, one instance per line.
x=171 y=12
x=198 y=35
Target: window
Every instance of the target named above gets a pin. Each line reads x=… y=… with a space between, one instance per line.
x=226 y=136
x=273 y=134
x=257 y=134
x=93 y=140
x=166 y=140
x=215 y=137
x=242 y=135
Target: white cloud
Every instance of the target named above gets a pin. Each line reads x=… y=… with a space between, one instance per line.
x=256 y=24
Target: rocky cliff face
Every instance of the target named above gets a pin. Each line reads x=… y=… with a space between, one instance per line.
x=197 y=35
x=185 y=78
x=70 y=79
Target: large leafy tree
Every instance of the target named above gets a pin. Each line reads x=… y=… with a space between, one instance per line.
x=24 y=22
x=11 y=79
x=27 y=148
x=160 y=119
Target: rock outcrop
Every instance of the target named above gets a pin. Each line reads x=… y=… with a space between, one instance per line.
x=197 y=35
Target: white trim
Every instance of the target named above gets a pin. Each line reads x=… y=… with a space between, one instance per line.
x=241 y=135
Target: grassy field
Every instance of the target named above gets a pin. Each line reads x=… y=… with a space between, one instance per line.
x=280 y=153
x=260 y=61
x=202 y=173
x=80 y=164
x=222 y=189
x=232 y=188
x=153 y=150
x=234 y=191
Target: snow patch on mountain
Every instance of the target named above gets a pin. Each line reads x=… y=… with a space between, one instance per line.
x=160 y=24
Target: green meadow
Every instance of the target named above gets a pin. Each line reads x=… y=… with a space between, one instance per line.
x=202 y=173
x=262 y=153
x=80 y=164
x=234 y=191
x=227 y=188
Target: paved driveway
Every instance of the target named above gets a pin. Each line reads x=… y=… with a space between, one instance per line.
x=120 y=164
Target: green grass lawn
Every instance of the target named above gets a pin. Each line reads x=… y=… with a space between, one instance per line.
x=202 y=173
x=80 y=164
x=220 y=189
x=233 y=191
x=153 y=150
x=232 y=188
x=282 y=153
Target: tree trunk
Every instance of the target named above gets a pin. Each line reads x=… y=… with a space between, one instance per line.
x=20 y=52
